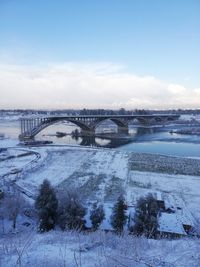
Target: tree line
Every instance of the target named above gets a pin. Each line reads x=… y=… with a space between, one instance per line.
x=68 y=212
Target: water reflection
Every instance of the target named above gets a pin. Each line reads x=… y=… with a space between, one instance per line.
x=136 y=134
x=106 y=140
x=102 y=142
x=140 y=139
x=141 y=131
x=109 y=140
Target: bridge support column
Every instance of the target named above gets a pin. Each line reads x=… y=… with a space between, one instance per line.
x=122 y=130
x=88 y=132
x=145 y=121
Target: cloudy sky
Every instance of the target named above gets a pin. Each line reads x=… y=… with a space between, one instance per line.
x=99 y=54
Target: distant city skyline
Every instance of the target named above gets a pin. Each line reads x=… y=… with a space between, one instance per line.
x=99 y=54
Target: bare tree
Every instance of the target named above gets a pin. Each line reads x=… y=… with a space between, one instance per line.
x=2 y=210
x=13 y=204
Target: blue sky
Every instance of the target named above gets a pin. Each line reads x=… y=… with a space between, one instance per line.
x=147 y=37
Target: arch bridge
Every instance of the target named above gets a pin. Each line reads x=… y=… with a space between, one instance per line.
x=30 y=127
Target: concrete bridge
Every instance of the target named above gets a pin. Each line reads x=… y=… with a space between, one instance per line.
x=32 y=126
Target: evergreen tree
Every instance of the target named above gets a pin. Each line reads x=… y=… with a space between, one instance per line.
x=118 y=217
x=97 y=215
x=145 y=217
x=71 y=212
x=46 y=204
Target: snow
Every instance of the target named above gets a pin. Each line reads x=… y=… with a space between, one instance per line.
x=15 y=159
x=86 y=168
x=105 y=225
x=102 y=175
x=169 y=223
x=73 y=249
x=7 y=142
x=187 y=117
x=177 y=190
x=159 y=196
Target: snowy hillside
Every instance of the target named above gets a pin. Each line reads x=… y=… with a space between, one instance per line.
x=56 y=249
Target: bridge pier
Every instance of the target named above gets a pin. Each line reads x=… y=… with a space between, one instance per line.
x=88 y=132
x=123 y=130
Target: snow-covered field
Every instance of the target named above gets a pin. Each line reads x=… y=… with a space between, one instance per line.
x=98 y=174
x=104 y=174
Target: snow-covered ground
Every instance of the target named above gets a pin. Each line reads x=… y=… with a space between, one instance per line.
x=55 y=249
x=180 y=192
x=103 y=174
x=13 y=159
x=97 y=173
x=189 y=117
x=8 y=142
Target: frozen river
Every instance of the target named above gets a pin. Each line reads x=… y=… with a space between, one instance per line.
x=156 y=140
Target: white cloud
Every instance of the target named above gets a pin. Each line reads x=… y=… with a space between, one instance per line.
x=102 y=85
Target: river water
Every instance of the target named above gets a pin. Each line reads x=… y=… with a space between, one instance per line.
x=145 y=140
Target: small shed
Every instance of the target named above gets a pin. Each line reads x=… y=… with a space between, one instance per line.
x=169 y=225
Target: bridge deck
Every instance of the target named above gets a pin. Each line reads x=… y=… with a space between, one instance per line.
x=105 y=116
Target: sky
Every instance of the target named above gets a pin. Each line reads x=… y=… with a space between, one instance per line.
x=99 y=54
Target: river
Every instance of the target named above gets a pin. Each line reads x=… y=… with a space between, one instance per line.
x=156 y=140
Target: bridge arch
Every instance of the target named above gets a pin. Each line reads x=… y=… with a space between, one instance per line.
x=121 y=125
x=90 y=129
x=46 y=124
